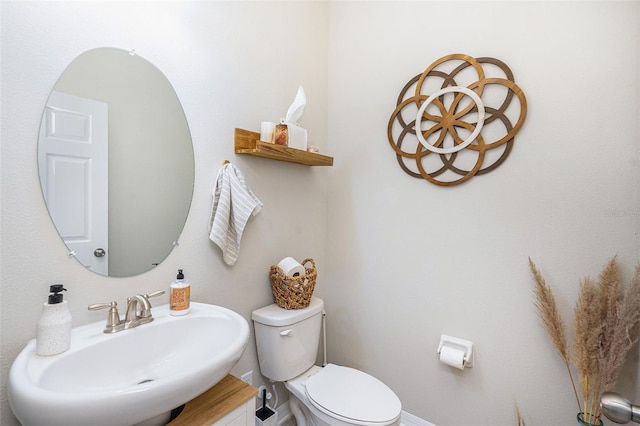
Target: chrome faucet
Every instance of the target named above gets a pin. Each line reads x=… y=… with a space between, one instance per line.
x=139 y=303
x=138 y=312
x=618 y=408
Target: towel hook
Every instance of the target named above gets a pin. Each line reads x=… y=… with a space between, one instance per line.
x=225 y=162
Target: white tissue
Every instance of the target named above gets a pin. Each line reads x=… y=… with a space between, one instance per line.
x=297 y=135
x=291 y=267
x=296 y=108
x=453 y=357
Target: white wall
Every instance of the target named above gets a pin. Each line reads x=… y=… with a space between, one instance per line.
x=409 y=260
x=401 y=261
x=232 y=65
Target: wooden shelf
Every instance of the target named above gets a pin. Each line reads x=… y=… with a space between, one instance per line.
x=248 y=142
x=217 y=403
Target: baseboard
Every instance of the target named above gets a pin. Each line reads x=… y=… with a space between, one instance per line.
x=407 y=419
x=284 y=413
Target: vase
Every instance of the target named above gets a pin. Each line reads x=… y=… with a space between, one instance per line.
x=583 y=422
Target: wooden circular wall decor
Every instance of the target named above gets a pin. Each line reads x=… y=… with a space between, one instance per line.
x=456 y=120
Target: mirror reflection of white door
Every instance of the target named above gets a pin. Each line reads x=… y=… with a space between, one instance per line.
x=74 y=172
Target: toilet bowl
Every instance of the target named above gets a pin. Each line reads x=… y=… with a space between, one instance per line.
x=342 y=396
x=287 y=343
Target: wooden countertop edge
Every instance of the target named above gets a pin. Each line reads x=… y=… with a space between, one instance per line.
x=215 y=403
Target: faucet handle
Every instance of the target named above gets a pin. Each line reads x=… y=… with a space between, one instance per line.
x=155 y=293
x=97 y=306
x=113 y=318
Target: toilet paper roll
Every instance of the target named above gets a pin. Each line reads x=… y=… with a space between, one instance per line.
x=291 y=267
x=453 y=357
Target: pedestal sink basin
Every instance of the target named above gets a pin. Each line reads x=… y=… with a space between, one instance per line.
x=130 y=376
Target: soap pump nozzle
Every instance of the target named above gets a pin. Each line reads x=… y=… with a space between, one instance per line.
x=56 y=296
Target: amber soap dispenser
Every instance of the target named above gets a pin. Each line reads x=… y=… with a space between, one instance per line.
x=180 y=295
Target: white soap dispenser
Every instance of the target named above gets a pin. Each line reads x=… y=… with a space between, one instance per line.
x=53 y=334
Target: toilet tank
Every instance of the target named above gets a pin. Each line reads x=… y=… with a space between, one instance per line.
x=287 y=339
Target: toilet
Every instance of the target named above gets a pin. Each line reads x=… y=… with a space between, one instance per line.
x=287 y=344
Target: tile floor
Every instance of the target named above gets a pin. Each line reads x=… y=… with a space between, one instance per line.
x=289 y=422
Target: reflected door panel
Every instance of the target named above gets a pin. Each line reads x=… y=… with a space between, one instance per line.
x=73 y=160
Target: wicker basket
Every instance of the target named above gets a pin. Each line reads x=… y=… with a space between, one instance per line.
x=293 y=292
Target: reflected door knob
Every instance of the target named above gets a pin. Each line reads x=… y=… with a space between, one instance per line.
x=99 y=252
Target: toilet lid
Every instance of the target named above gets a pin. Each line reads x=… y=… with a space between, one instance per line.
x=352 y=394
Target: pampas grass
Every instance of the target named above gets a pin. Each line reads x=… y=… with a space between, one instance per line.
x=519 y=418
x=624 y=333
x=587 y=333
x=606 y=325
x=553 y=323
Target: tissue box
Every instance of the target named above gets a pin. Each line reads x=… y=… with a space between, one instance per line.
x=286 y=134
x=297 y=137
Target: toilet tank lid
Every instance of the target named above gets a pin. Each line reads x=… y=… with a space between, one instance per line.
x=276 y=316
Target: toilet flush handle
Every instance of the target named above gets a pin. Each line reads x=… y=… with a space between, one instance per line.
x=287 y=333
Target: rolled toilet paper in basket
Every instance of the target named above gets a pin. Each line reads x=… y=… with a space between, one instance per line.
x=291 y=267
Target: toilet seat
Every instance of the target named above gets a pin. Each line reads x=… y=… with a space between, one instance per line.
x=352 y=395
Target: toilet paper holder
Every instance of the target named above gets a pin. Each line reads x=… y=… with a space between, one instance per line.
x=463 y=345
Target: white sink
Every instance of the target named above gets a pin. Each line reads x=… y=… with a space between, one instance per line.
x=130 y=376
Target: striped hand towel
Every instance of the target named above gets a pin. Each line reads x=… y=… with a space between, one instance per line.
x=233 y=204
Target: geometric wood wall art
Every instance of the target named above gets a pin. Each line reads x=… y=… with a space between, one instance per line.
x=456 y=120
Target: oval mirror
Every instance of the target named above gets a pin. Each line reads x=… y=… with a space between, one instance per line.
x=116 y=162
